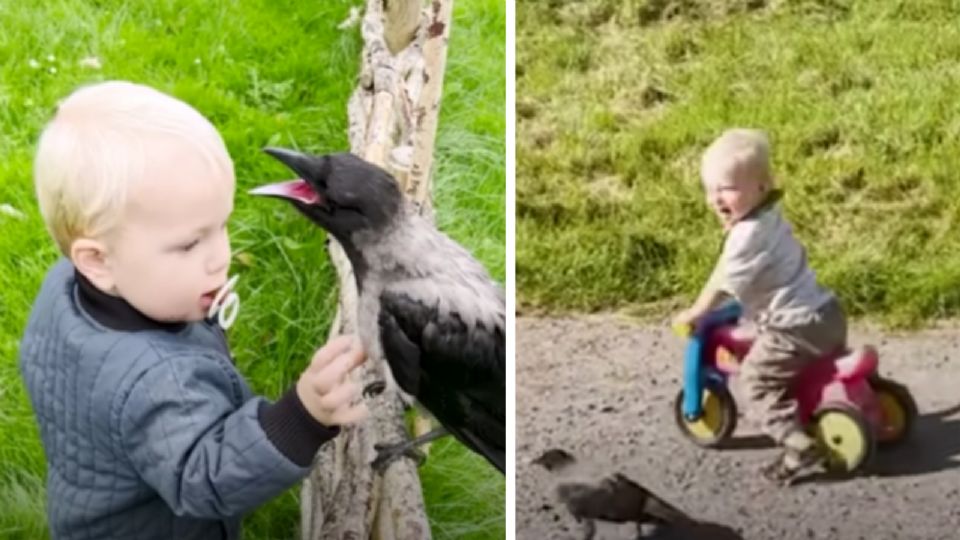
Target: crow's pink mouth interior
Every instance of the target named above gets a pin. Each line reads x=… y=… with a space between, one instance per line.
x=294 y=189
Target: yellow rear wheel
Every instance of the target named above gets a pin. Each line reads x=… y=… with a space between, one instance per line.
x=898 y=408
x=717 y=421
x=844 y=436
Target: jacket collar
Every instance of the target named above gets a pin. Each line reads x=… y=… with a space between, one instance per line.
x=772 y=198
x=767 y=203
x=115 y=312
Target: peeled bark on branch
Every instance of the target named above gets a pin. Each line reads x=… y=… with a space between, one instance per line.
x=392 y=123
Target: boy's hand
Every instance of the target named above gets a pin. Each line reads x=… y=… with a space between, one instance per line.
x=686 y=318
x=323 y=387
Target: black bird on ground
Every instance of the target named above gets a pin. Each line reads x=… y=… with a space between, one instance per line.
x=425 y=304
x=590 y=495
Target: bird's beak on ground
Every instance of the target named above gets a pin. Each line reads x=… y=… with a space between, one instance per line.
x=296 y=190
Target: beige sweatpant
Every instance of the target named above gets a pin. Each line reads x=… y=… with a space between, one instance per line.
x=779 y=354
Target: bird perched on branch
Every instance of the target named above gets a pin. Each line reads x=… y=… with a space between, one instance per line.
x=425 y=304
x=592 y=496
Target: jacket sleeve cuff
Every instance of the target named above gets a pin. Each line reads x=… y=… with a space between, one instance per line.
x=292 y=430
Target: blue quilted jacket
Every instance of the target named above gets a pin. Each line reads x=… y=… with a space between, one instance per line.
x=148 y=429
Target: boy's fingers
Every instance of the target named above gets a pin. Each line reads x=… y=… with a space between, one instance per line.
x=351 y=415
x=333 y=374
x=334 y=348
x=358 y=354
x=336 y=371
x=339 y=396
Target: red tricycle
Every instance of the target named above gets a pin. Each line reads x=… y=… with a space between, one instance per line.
x=842 y=400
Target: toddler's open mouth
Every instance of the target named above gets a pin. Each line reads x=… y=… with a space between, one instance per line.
x=222 y=302
x=207 y=298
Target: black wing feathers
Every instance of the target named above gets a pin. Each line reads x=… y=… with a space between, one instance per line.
x=455 y=371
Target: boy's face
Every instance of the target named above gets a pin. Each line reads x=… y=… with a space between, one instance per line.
x=172 y=251
x=731 y=196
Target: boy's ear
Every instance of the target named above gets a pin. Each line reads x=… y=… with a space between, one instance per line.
x=90 y=258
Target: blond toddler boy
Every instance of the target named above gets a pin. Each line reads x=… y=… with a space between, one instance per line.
x=148 y=429
x=764 y=267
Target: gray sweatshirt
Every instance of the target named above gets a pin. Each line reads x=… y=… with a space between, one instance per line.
x=148 y=429
x=765 y=268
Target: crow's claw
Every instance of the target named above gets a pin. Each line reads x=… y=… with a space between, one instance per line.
x=388 y=453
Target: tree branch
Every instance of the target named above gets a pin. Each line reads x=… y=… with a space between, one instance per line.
x=392 y=123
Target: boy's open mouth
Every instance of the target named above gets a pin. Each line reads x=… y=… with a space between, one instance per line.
x=208 y=297
x=222 y=302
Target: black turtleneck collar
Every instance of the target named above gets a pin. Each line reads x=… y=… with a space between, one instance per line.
x=114 y=312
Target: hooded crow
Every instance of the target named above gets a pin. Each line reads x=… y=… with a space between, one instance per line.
x=425 y=304
x=591 y=495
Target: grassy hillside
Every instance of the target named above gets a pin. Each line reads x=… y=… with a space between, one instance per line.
x=617 y=100
x=265 y=73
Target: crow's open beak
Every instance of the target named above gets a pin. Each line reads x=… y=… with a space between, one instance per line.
x=298 y=162
x=296 y=190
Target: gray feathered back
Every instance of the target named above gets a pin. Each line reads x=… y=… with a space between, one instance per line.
x=424 y=263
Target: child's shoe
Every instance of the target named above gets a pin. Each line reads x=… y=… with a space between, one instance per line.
x=800 y=453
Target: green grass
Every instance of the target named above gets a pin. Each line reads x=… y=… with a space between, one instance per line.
x=265 y=73
x=617 y=101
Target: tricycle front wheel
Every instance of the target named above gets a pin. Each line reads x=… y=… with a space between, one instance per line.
x=717 y=421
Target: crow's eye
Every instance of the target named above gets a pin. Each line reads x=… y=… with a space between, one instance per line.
x=352 y=207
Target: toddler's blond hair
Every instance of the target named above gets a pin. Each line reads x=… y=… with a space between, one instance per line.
x=744 y=153
x=98 y=145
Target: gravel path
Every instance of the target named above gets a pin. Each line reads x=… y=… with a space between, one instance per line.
x=603 y=389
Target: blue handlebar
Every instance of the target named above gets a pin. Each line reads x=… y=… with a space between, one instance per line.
x=694 y=372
